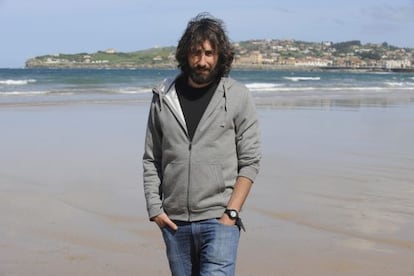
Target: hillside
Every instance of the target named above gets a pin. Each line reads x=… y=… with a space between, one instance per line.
x=250 y=54
x=155 y=57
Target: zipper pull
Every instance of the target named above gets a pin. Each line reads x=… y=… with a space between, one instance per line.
x=189 y=146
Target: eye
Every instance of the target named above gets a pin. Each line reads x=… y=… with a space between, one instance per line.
x=198 y=53
x=201 y=52
x=209 y=53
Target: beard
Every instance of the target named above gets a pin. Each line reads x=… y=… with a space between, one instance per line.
x=203 y=75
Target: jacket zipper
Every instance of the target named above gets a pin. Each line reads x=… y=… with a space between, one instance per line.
x=189 y=182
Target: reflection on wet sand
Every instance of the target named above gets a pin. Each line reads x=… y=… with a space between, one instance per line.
x=335 y=99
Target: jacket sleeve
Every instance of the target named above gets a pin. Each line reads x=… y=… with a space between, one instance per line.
x=247 y=136
x=152 y=163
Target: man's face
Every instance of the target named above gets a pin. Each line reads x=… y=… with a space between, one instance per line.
x=203 y=64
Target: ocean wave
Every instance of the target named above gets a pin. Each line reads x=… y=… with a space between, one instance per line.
x=17 y=82
x=295 y=79
x=334 y=89
x=257 y=88
x=78 y=92
x=24 y=93
x=133 y=90
x=390 y=83
x=263 y=86
x=399 y=84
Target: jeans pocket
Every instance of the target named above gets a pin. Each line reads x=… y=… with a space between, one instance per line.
x=225 y=225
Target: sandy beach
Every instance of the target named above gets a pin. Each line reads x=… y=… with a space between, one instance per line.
x=335 y=195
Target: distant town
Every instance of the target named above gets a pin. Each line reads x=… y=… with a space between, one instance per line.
x=253 y=54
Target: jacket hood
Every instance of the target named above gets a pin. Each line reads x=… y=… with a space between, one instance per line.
x=166 y=87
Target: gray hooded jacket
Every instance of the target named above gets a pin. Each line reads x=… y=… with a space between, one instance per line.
x=192 y=180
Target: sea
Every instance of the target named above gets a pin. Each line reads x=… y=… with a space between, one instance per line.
x=270 y=88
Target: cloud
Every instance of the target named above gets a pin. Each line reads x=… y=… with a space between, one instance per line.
x=388 y=22
x=282 y=10
x=391 y=14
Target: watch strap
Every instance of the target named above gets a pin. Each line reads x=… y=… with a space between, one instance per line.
x=238 y=220
x=240 y=224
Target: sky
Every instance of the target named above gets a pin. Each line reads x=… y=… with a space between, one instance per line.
x=29 y=28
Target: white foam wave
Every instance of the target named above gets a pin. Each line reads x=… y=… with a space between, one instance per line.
x=399 y=84
x=289 y=89
x=390 y=83
x=24 y=93
x=17 y=82
x=263 y=86
x=134 y=90
x=333 y=89
x=295 y=79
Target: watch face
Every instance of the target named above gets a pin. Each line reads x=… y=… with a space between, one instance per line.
x=233 y=214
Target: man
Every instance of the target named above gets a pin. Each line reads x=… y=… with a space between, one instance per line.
x=201 y=154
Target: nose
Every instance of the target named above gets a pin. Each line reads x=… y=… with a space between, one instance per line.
x=202 y=60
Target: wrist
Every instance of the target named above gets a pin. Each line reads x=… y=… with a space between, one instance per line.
x=233 y=214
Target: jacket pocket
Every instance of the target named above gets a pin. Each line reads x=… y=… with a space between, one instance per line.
x=174 y=188
x=206 y=186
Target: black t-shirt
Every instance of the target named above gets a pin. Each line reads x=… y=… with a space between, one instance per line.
x=194 y=102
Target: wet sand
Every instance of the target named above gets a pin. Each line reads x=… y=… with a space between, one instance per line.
x=334 y=196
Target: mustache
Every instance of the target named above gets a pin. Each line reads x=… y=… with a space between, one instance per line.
x=202 y=68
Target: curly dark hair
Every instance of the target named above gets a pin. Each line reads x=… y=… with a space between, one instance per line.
x=201 y=28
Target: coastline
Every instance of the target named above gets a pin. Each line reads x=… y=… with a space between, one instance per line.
x=263 y=67
x=260 y=54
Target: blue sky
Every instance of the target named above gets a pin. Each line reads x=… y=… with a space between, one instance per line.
x=37 y=27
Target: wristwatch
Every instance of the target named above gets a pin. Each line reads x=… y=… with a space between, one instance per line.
x=232 y=213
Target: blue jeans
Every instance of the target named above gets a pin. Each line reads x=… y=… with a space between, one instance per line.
x=202 y=248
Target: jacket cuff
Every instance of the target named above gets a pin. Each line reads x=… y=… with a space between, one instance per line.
x=248 y=172
x=155 y=211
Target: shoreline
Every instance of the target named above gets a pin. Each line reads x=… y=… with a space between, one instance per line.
x=284 y=99
x=258 y=67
